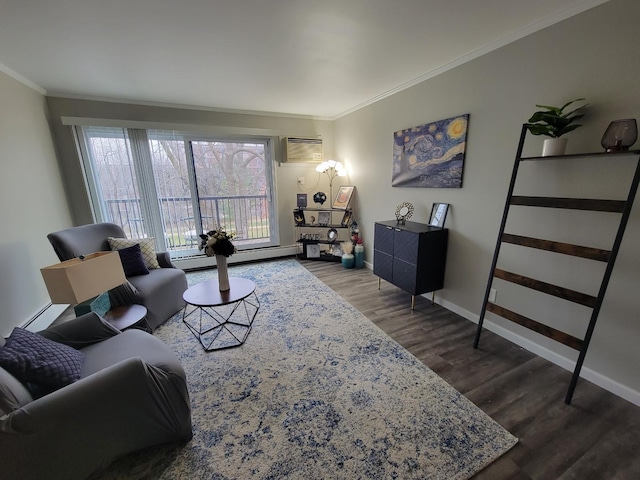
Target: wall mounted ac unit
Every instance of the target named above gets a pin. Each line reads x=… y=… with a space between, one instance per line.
x=303 y=150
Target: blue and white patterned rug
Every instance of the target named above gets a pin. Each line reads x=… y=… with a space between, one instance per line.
x=316 y=392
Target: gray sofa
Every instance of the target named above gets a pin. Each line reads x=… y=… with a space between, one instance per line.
x=131 y=394
x=160 y=291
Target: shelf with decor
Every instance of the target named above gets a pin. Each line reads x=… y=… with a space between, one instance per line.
x=337 y=222
x=542 y=326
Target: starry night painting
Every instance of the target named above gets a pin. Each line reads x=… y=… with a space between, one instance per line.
x=430 y=155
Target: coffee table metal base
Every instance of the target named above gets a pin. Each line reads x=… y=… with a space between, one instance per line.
x=221 y=320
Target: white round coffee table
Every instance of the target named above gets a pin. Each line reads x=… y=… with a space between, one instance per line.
x=223 y=319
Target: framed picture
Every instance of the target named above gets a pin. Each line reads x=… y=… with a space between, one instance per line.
x=301 y=198
x=438 y=214
x=313 y=250
x=298 y=217
x=324 y=218
x=343 y=197
x=430 y=155
x=346 y=219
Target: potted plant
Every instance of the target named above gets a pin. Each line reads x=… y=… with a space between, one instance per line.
x=554 y=122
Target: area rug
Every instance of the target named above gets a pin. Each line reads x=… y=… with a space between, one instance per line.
x=316 y=392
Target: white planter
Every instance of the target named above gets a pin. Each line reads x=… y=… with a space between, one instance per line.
x=554 y=146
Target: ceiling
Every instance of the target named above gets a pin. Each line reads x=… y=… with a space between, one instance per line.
x=321 y=58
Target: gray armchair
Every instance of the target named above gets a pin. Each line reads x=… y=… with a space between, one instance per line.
x=131 y=394
x=160 y=291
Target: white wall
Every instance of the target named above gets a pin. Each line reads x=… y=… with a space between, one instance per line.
x=593 y=55
x=32 y=202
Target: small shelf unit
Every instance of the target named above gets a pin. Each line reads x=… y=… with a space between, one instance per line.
x=621 y=207
x=343 y=230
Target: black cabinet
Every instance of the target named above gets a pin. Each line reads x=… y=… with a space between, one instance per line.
x=411 y=256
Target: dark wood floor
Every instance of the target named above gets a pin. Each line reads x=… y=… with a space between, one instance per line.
x=596 y=437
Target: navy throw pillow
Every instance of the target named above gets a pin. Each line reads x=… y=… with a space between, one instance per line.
x=31 y=358
x=132 y=261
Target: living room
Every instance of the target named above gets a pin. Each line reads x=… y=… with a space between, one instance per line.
x=588 y=55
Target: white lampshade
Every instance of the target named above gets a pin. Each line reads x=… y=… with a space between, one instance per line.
x=77 y=280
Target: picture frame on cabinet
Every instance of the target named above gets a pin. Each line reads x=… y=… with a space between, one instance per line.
x=298 y=216
x=343 y=198
x=438 y=214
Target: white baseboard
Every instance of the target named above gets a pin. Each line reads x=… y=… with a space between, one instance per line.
x=607 y=383
x=202 y=261
x=44 y=317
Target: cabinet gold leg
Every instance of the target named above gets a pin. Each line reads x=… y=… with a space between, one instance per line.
x=413 y=301
x=378 y=283
x=433 y=297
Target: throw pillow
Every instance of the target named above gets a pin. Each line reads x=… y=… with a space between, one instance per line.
x=147 y=246
x=13 y=394
x=31 y=358
x=132 y=261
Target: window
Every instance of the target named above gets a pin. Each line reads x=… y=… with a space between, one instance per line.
x=173 y=186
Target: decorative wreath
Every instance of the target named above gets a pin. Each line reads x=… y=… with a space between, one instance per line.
x=409 y=209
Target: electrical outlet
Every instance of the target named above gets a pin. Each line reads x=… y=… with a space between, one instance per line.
x=300 y=180
x=492 y=295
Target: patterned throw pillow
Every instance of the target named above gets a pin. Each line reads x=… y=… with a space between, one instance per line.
x=31 y=358
x=132 y=261
x=147 y=246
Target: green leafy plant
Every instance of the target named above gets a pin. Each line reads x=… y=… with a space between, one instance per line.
x=553 y=121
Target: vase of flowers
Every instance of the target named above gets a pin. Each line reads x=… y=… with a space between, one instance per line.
x=218 y=243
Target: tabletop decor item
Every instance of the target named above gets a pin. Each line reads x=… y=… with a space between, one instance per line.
x=404 y=211
x=320 y=197
x=620 y=135
x=347 y=256
x=359 y=254
x=218 y=243
x=324 y=218
x=554 y=122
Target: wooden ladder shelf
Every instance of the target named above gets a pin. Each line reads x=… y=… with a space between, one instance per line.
x=622 y=207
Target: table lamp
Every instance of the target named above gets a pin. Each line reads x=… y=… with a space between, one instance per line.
x=85 y=281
